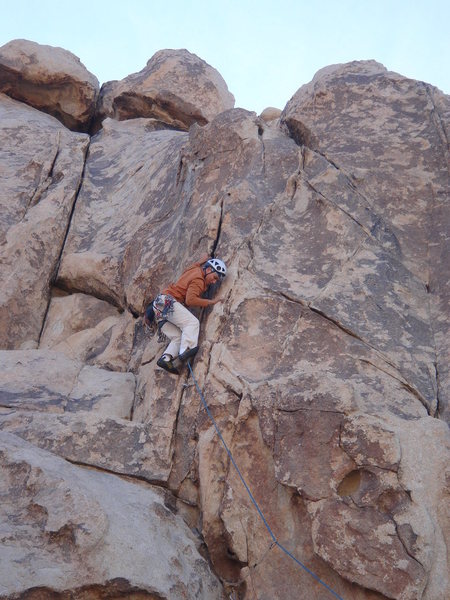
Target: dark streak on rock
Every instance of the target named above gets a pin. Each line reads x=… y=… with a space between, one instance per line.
x=58 y=262
x=339 y=325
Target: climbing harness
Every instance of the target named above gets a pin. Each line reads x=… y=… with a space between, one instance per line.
x=275 y=542
x=162 y=307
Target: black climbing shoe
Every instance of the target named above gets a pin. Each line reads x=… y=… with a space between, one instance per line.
x=166 y=365
x=188 y=353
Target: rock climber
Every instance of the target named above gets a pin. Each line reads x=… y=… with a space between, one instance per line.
x=174 y=320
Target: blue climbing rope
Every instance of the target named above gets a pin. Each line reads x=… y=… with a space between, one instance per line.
x=275 y=541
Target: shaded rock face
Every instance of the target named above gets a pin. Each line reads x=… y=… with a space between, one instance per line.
x=175 y=87
x=50 y=79
x=325 y=368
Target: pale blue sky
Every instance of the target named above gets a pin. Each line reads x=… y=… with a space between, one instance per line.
x=265 y=50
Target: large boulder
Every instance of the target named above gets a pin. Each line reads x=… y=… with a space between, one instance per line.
x=50 y=79
x=72 y=531
x=175 y=86
x=42 y=165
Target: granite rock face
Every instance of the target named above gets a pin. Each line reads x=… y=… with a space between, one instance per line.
x=388 y=135
x=325 y=369
x=175 y=87
x=50 y=79
x=131 y=171
x=88 y=329
x=42 y=165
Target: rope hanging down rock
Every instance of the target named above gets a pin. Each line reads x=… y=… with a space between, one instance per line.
x=272 y=535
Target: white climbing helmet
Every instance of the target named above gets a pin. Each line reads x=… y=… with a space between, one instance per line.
x=218 y=266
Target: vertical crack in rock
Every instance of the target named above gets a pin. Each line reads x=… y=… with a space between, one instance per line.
x=439 y=124
x=52 y=165
x=430 y=311
x=181 y=171
x=44 y=182
x=263 y=150
x=291 y=182
x=436 y=117
x=180 y=390
x=435 y=412
x=303 y=158
x=132 y=408
x=181 y=179
x=69 y=222
x=219 y=227
x=438 y=406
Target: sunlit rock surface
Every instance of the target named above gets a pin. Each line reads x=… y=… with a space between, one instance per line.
x=50 y=79
x=41 y=165
x=176 y=87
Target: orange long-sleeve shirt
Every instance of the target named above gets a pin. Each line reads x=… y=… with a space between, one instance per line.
x=189 y=287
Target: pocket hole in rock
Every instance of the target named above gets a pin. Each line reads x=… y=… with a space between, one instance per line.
x=350 y=484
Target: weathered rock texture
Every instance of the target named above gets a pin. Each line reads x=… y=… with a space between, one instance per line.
x=175 y=87
x=50 y=79
x=42 y=166
x=90 y=330
x=326 y=368
x=386 y=138
x=62 y=527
